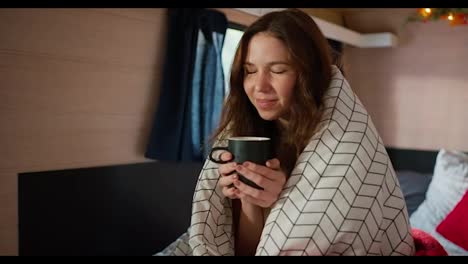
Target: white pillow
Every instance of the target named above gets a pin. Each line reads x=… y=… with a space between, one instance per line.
x=448 y=185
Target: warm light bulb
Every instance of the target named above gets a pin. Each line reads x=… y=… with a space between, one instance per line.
x=450 y=17
x=425 y=12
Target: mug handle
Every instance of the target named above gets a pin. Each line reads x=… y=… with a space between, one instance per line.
x=219 y=161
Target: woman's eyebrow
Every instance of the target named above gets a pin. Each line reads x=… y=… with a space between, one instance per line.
x=278 y=62
x=269 y=63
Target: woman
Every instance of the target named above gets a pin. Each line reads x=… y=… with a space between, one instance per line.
x=331 y=190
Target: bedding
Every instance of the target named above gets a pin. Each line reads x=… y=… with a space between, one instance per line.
x=446 y=189
x=455 y=226
x=414 y=185
x=426 y=244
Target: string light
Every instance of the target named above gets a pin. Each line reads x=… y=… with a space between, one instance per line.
x=455 y=16
x=425 y=12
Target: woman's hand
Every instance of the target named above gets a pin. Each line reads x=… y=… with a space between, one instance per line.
x=271 y=178
x=228 y=176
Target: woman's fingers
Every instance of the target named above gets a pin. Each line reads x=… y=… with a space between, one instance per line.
x=227 y=169
x=227 y=172
x=230 y=192
x=225 y=156
x=258 y=179
x=273 y=164
x=254 y=196
x=271 y=178
x=227 y=182
x=268 y=173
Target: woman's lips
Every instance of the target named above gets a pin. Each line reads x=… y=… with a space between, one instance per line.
x=266 y=104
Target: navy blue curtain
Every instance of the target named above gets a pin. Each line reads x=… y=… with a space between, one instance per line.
x=192 y=90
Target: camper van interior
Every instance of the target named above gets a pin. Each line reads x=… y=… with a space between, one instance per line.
x=80 y=90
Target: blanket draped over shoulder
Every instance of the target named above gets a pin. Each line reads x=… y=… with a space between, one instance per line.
x=342 y=197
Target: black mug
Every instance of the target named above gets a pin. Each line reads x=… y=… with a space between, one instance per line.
x=254 y=149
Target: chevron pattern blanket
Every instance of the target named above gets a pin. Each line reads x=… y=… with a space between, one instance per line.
x=342 y=197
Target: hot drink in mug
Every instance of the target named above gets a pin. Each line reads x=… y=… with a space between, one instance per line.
x=254 y=149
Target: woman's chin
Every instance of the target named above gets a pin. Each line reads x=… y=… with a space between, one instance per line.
x=268 y=116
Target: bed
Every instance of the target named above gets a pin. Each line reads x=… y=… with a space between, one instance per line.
x=435 y=184
x=138 y=209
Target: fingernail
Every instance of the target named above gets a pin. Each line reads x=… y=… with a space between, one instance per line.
x=238 y=167
x=234 y=176
x=246 y=164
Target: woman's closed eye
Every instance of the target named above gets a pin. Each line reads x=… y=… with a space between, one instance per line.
x=248 y=69
x=279 y=71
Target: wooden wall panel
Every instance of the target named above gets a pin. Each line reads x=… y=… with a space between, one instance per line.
x=417 y=93
x=78 y=88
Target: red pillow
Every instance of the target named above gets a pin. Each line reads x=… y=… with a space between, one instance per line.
x=455 y=226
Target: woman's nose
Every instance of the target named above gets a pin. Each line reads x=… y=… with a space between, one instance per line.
x=262 y=82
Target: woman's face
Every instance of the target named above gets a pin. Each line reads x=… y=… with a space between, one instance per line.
x=269 y=77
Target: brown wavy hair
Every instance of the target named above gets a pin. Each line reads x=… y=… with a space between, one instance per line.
x=310 y=55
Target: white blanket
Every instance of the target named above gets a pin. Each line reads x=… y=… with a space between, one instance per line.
x=342 y=197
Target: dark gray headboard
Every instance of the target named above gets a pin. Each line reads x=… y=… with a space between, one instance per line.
x=135 y=209
x=416 y=160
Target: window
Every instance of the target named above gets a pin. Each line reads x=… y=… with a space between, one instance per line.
x=231 y=41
